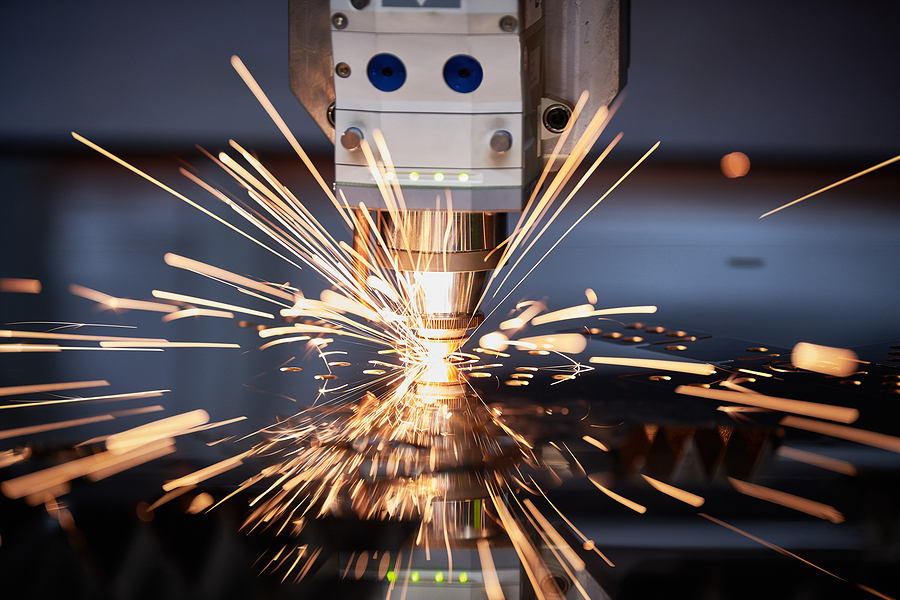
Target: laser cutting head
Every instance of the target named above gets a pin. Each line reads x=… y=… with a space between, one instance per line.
x=448 y=109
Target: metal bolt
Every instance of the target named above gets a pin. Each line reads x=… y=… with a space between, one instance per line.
x=339 y=20
x=501 y=141
x=342 y=69
x=329 y=113
x=359 y=4
x=351 y=138
x=508 y=23
x=556 y=118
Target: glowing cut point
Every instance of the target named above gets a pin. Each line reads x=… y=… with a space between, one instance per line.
x=413 y=176
x=415 y=576
x=438 y=176
x=439 y=577
x=391 y=576
x=463 y=577
x=464 y=177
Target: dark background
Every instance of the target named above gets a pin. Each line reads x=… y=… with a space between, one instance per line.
x=808 y=90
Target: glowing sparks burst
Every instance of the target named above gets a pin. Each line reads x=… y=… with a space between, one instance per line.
x=393 y=446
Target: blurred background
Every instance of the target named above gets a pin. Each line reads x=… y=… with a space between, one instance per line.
x=807 y=90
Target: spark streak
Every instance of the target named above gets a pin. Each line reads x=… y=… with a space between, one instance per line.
x=677 y=493
x=51 y=387
x=822 y=411
x=810 y=507
x=656 y=365
x=834 y=185
x=620 y=499
x=870 y=438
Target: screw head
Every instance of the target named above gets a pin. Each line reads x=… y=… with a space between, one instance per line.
x=501 y=141
x=509 y=23
x=342 y=69
x=339 y=20
x=556 y=118
x=351 y=138
x=359 y=4
x=329 y=113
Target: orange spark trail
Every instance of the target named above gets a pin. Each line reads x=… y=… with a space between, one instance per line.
x=800 y=407
x=285 y=131
x=587 y=310
x=120 y=303
x=189 y=264
x=167 y=345
x=51 y=387
x=163 y=186
x=834 y=185
x=489 y=572
x=810 y=458
x=767 y=544
x=20 y=286
x=10 y=433
x=554 y=535
x=620 y=499
x=584 y=215
x=112 y=397
x=196 y=312
x=810 y=507
x=870 y=438
x=40 y=335
x=677 y=493
x=661 y=365
x=203 y=302
x=594 y=442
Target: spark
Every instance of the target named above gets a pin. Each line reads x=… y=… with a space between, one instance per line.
x=870 y=438
x=203 y=302
x=40 y=335
x=767 y=544
x=196 y=312
x=586 y=310
x=834 y=185
x=20 y=286
x=679 y=494
x=489 y=572
x=620 y=499
x=801 y=407
x=10 y=433
x=656 y=365
x=810 y=507
x=120 y=303
x=111 y=397
x=139 y=344
x=51 y=387
x=810 y=458
x=595 y=442
x=189 y=264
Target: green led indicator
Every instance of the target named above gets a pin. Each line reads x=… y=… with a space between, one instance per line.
x=463 y=577
x=391 y=576
x=414 y=576
x=413 y=176
x=438 y=176
x=439 y=577
x=464 y=177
